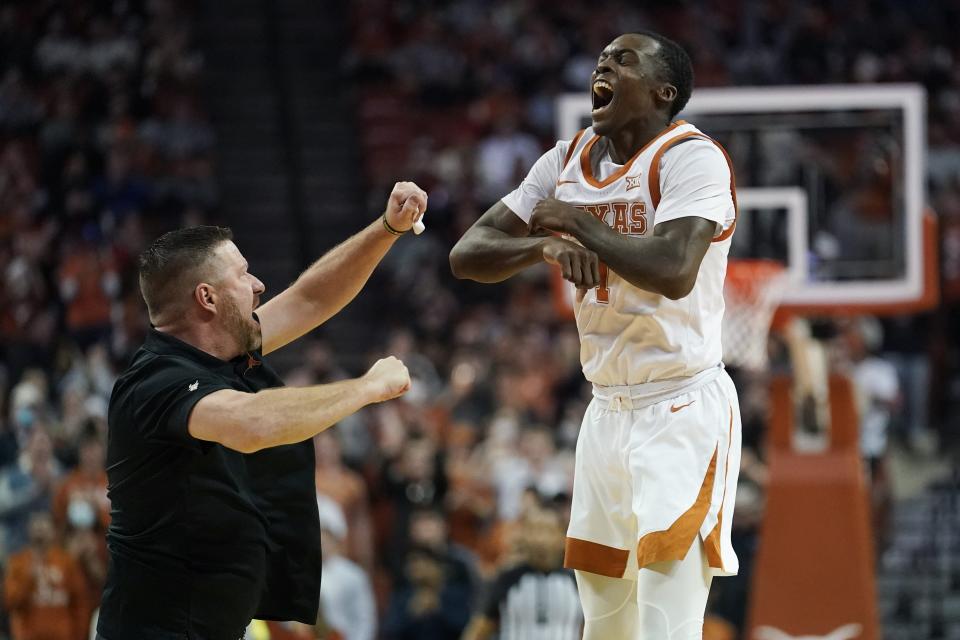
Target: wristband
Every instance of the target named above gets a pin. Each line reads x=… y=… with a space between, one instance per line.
x=391 y=230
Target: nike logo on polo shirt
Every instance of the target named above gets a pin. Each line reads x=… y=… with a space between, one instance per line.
x=675 y=408
x=194 y=386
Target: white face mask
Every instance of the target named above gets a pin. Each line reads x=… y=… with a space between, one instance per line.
x=80 y=514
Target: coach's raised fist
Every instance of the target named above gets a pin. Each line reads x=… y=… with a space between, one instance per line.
x=406 y=204
x=388 y=378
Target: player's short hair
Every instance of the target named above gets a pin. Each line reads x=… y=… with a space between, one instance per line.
x=174 y=257
x=676 y=67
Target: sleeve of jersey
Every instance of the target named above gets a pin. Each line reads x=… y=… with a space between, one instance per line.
x=540 y=183
x=695 y=181
x=165 y=397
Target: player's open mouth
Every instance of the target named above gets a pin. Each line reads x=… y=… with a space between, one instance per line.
x=602 y=95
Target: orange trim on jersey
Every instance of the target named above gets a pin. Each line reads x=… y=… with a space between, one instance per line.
x=653 y=178
x=595 y=557
x=587 y=168
x=711 y=543
x=573 y=147
x=733 y=193
x=673 y=543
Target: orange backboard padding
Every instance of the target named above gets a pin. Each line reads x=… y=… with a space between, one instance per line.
x=815 y=564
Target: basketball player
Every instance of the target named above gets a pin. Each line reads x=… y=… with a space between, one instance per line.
x=637 y=211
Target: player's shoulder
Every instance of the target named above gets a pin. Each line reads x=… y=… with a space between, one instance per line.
x=699 y=150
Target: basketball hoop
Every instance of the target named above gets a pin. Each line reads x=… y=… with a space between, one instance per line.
x=752 y=292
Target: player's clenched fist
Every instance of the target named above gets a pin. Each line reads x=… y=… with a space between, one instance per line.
x=551 y=214
x=388 y=379
x=577 y=264
x=406 y=204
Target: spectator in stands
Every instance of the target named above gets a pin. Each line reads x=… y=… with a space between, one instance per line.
x=877 y=394
x=428 y=604
x=80 y=501
x=346 y=595
x=504 y=157
x=538 y=597
x=347 y=488
x=429 y=529
x=536 y=464
x=415 y=479
x=81 y=512
x=26 y=488
x=87 y=282
x=44 y=588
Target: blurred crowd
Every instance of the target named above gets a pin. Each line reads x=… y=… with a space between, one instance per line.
x=103 y=142
x=429 y=505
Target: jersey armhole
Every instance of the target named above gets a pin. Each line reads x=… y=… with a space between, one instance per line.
x=573 y=147
x=653 y=178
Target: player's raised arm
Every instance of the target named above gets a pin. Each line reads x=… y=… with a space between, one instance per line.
x=335 y=279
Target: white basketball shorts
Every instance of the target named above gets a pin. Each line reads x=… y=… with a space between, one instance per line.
x=656 y=465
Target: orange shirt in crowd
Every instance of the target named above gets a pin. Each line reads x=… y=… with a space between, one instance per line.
x=82 y=487
x=88 y=305
x=45 y=596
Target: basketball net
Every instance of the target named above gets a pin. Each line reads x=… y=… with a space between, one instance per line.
x=752 y=292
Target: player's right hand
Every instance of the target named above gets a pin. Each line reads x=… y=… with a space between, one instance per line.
x=578 y=264
x=388 y=378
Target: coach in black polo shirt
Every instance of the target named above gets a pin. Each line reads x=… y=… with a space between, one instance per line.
x=209 y=459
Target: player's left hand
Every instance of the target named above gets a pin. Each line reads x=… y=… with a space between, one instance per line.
x=406 y=204
x=554 y=215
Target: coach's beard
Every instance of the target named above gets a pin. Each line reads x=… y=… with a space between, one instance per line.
x=244 y=329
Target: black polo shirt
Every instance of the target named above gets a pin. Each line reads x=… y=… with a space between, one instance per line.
x=202 y=538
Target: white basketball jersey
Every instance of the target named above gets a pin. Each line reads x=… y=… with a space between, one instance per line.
x=628 y=335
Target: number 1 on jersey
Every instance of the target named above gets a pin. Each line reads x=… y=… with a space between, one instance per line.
x=603 y=291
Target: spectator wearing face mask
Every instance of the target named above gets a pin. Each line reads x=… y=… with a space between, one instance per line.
x=80 y=501
x=25 y=488
x=81 y=512
x=44 y=589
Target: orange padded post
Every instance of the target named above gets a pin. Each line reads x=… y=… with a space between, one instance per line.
x=815 y=564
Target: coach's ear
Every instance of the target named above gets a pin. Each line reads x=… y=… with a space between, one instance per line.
x=206 y=296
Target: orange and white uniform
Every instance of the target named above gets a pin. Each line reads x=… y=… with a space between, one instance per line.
x=659 y=450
